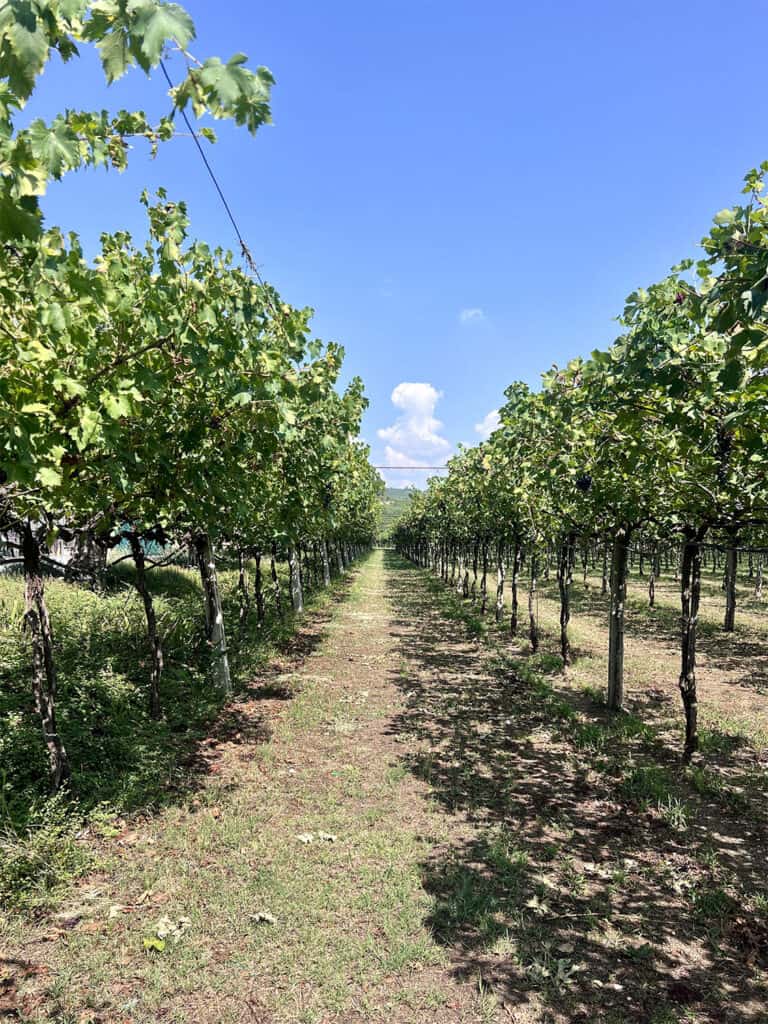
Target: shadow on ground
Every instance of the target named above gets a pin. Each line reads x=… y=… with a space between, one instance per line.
x=121 y=757
x=586 y=882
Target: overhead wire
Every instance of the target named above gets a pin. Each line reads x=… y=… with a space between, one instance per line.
x=244 y=249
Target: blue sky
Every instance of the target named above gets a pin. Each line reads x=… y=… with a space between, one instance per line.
x=465 y=192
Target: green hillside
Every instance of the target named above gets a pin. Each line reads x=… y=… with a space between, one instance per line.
x=396 y=501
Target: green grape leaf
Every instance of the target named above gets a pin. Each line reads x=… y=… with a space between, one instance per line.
x=49 y=477
x=724 y=217
x=162 y=24
x=115 y=54
x=54 y=146
x=27 y=46
x=117 y=406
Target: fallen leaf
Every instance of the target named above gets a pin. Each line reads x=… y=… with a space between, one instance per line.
x=263 y=917
x=166 y=928
x=68 y=918
x=537 y=905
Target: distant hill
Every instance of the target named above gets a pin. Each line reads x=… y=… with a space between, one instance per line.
x=396 y=501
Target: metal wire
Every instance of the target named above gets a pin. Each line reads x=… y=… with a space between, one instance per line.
x=246 y=252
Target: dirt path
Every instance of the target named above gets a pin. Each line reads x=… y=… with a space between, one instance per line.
x=305 y=814
x=388 y=831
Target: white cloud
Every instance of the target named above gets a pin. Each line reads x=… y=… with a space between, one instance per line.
x=415 y=432
x=472 y=315
x=488 y=424
x=392 y=457
x=414 y=439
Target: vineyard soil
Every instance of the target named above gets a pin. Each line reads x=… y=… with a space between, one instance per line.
x=410 y=818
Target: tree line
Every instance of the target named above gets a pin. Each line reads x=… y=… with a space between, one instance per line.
x=155 y=395
x=655 y=444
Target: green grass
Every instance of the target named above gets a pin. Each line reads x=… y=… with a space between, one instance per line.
x=342 y=912
x=123 y=761
x=518 y=830
x=735 y=730
x=38 y=862
x=626 y=763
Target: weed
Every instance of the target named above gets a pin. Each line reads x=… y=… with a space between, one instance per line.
x=486 y=1002
x=123 y=759
x=640 y=954
x=507 y=860
x=589 y=736
x=665 y=1015
x=595 y=694
x=396 y=773
x=674 y=812
x=629 y=727
x=574 y=880
x=619 y=878
x=545 y=663
x=38 y=862
x=704 y=781
x=716 y=741
x=712 y=903
x=549 y=969
x=646 y=784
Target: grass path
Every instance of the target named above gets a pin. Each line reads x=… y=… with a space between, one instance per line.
x=389 y=827
x=308 y=752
